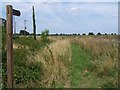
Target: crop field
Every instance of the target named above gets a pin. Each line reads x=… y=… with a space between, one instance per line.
x=64 y=62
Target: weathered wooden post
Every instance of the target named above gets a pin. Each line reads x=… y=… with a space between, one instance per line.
x=9 y=16
x=34 y=25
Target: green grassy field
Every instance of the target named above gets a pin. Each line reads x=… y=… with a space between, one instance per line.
x=64 y=62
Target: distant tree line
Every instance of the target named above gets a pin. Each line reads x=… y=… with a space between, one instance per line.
x=23 y=32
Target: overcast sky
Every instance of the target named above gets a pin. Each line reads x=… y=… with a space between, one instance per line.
x=66 y=16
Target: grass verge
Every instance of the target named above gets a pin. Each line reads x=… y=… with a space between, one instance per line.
x=80 y=66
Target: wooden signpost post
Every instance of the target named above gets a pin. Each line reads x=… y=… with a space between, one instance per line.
x=9 y=28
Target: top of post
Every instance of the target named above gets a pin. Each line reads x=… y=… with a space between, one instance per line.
x=13 y=11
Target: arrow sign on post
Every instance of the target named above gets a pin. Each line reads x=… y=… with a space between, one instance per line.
x=16 y=12
x=9 y=28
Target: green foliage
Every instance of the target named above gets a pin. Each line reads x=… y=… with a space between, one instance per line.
x=90 y=33
x=23 y=32
x=27 y=73
x=99 y=33
x=105 y=33
x=83 y=34
x=33 y=45
x=23 y=71
x=3 y=34
x=80 y=62
x=3 y=53
x=44 y=36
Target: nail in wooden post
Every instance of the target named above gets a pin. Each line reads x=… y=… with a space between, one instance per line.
x=9 y=29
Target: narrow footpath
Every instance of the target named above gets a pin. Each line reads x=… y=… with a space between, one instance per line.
x=80 y=76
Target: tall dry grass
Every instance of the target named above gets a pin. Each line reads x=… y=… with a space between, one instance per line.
x=104 y=52
x=55 y=61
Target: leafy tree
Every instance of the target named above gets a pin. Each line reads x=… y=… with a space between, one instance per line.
x=99 y=33
x=83 y=34
x=115 y=34
x=75 y=34
x=23 y=32
x=38 y=34
x=111 y=33
x=90 y=33
x=105 y=33
x=44 y=36
x=61 y=34
x=56 y=34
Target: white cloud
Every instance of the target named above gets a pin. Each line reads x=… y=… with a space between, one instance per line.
x=74 y=8
x=106 y=9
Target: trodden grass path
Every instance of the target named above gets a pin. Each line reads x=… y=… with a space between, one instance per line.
x=81 y=77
